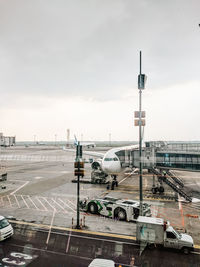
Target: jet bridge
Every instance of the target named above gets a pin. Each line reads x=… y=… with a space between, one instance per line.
x=161 y=157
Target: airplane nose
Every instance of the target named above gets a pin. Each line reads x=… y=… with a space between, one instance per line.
x=111 y=168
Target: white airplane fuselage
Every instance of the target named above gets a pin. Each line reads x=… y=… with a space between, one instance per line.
x=111 y=163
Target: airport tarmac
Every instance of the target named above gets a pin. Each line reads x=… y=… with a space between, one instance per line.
x=39 y=190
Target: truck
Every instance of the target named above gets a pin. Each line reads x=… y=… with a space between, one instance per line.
x=115 y=208
x=157 y=232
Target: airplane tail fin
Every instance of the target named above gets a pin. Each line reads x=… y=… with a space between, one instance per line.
x=75 y=140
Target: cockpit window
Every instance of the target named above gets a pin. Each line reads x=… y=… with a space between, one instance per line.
x=111 y=159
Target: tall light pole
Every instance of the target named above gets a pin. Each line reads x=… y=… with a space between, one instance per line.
x=109 y=139
x=78 y=171
x=55 y=139
x=34 y=137
x=141 y=122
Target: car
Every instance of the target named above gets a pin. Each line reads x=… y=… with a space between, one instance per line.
x=6 y=229
x=102 y=263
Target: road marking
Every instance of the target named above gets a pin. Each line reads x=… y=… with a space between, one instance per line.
x=9 y=200
x=25 y=202
x=145 y=183
x=181 y=210
x=2 y=201
x=49 y=204
x=38 y=177
x=42 y=204
x=50 y=227
x=194 y=252
x=19 y=188
x=16 y=200
x=68 y=242
x=33 y=203
x=124 y=178
x=66 y=204
x=160 y=199
x=59 y=205
x=71 y=203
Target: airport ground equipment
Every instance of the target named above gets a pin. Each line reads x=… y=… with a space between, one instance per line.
x=175 y=178
x=6 y=229
x=157 y=232
x=171 y=182
x=157 y=188
x=121 y=209
x=98 y=177
x=3 y=173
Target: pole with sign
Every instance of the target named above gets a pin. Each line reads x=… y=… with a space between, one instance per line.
x=79 y=172
x=140 y=122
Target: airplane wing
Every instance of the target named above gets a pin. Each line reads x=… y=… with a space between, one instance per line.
x=89 y=153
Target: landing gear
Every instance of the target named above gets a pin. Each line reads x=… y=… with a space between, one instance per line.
x=111 y=185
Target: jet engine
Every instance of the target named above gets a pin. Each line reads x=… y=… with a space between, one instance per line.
x=96 y=165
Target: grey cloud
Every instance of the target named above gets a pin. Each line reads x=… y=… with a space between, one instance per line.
x=91 y=48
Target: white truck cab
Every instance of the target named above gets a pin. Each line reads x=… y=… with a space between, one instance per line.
x=155 y=231
x=6 y=229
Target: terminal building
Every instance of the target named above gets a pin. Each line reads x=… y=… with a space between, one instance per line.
x=7 y=141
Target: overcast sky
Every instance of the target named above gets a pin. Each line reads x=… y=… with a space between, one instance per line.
x=74 y=64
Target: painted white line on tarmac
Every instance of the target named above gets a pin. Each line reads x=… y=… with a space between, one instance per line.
x=194 y=252
x=42 y=204
x=124 y=179
x=2 y=201
x=16 y=200
x=25 y=202
x=9 y=201
x=68 y=242
x=19 y=188
x=66 y=205
x=59 y=205
x=71 y=203
x=50 y=227
x=49 y=204
x=33 y=203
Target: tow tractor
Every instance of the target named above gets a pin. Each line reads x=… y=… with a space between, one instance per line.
x=115 y=208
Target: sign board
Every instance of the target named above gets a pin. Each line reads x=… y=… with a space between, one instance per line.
x=137 y=122
x=137 y=114
x=141 y=81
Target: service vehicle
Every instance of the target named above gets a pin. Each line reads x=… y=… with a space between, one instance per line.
x=3 y=173
x=99 y=177
x=155 y=231
x=102 y=263
x=6 y=229
x=121 y=209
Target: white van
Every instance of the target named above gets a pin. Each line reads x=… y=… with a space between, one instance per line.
x=6 y=229
x=102 y=263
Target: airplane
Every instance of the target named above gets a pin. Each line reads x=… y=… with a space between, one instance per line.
x=114 y=161
x=84 y=144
